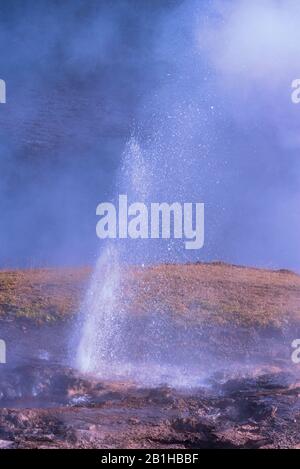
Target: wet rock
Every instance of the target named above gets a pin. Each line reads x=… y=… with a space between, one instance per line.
x=161 y=395
x=40 y=382
x=267 y=381
x=259 y=410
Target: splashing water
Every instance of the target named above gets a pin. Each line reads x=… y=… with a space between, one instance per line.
x=135 y=175
x=99 y=345
x=114 y=343
x=102 y=347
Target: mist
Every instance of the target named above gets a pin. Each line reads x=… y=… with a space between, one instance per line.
x=204 y=87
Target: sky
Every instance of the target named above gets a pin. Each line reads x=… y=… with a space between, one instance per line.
x=203 y=88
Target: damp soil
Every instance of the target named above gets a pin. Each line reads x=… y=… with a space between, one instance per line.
x=253 y=403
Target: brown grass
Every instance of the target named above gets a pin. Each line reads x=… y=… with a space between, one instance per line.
x=216 y=292
x=43 y=294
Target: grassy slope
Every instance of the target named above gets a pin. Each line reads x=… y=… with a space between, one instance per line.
x=41 y=295
x=216 y=293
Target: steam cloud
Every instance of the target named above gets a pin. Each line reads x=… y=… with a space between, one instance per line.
x=206 y=88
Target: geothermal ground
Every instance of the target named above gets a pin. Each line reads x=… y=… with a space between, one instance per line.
x=229 y=379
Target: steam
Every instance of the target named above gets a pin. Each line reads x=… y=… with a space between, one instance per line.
x=230 y=129
x=206 y=85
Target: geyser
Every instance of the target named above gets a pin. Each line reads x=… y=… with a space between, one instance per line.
x=101 y=333
x=104 y=341
x=116 y=342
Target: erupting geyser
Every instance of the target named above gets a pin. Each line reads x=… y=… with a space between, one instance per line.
x=98 y=347
x=103 y=344
x=148 y=348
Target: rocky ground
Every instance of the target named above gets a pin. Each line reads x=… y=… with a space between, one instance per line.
x=229 y=332
x=257 y=411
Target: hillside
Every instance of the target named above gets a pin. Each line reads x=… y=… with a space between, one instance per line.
x=216 y=292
